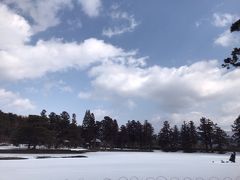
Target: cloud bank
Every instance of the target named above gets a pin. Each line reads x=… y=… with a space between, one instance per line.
x=202 y=88
x=20 y=59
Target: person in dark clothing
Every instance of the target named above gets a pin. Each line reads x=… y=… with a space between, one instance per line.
x=232 y=157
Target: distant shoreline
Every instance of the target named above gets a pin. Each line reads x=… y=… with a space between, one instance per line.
x=42 y=157
x=40 y=151
x=59 y=151
x=82 y=151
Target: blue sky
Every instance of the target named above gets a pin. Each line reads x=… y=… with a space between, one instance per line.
x=156 y=60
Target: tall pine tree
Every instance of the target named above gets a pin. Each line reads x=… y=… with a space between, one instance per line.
x=236 y=131
x=220 y=138
x=88 y=127
x=165 y=136
x=206 y=133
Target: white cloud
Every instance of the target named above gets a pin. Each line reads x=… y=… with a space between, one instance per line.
x=202 y=87
x=227 y=39
x=223 y=20
x=125 y=23
x=14 y=30
x=54 y=55
x=12 y=102
x=19 y=61
x=44 y=13
x=146 y=82
x=91 y=7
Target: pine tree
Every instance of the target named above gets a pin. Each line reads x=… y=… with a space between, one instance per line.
x=147 y=134
x=175 y=136
x=188 y=136
x=43 y=113
x=165 y=136
x=74 y=134
x=139 y=134
x=65 y=117
x=33 y=132
x=236 y=131
x=131 y=130
x=193 y=134
x=220 y=137
x=206 y=133
x=74 y=119
x=88 y=126
x=123 y=137
x=185 y=137
x=98 y=130
x=115 y=129
x=109 y=131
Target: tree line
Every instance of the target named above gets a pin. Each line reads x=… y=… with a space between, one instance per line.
x=61 y=130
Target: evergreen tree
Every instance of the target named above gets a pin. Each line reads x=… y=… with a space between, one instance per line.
x=188 y=136
x=175 y=137
x=115 y=129
x=43 y=113
x=33 y=132
x=74 y=119
x=98 y=130
x=185 y=137
x=65 y=117
x=88 y=126
x=109 y=131
x=206 y=133
x=54 y=127
x=193 y=134
x=135 y=133
x=236 y=131
x=131 y=130
x=220 y=137
x=63 y=125
x=138 y=130
x=9 y=124
x=165 y=136
x=123 y=137
x=147 y=134
x=74 y=135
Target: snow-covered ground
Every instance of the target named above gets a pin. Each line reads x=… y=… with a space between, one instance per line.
x=123 y=166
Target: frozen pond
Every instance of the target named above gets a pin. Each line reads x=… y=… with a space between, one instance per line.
x=123 y=166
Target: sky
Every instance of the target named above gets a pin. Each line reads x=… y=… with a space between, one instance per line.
x=153 y=60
